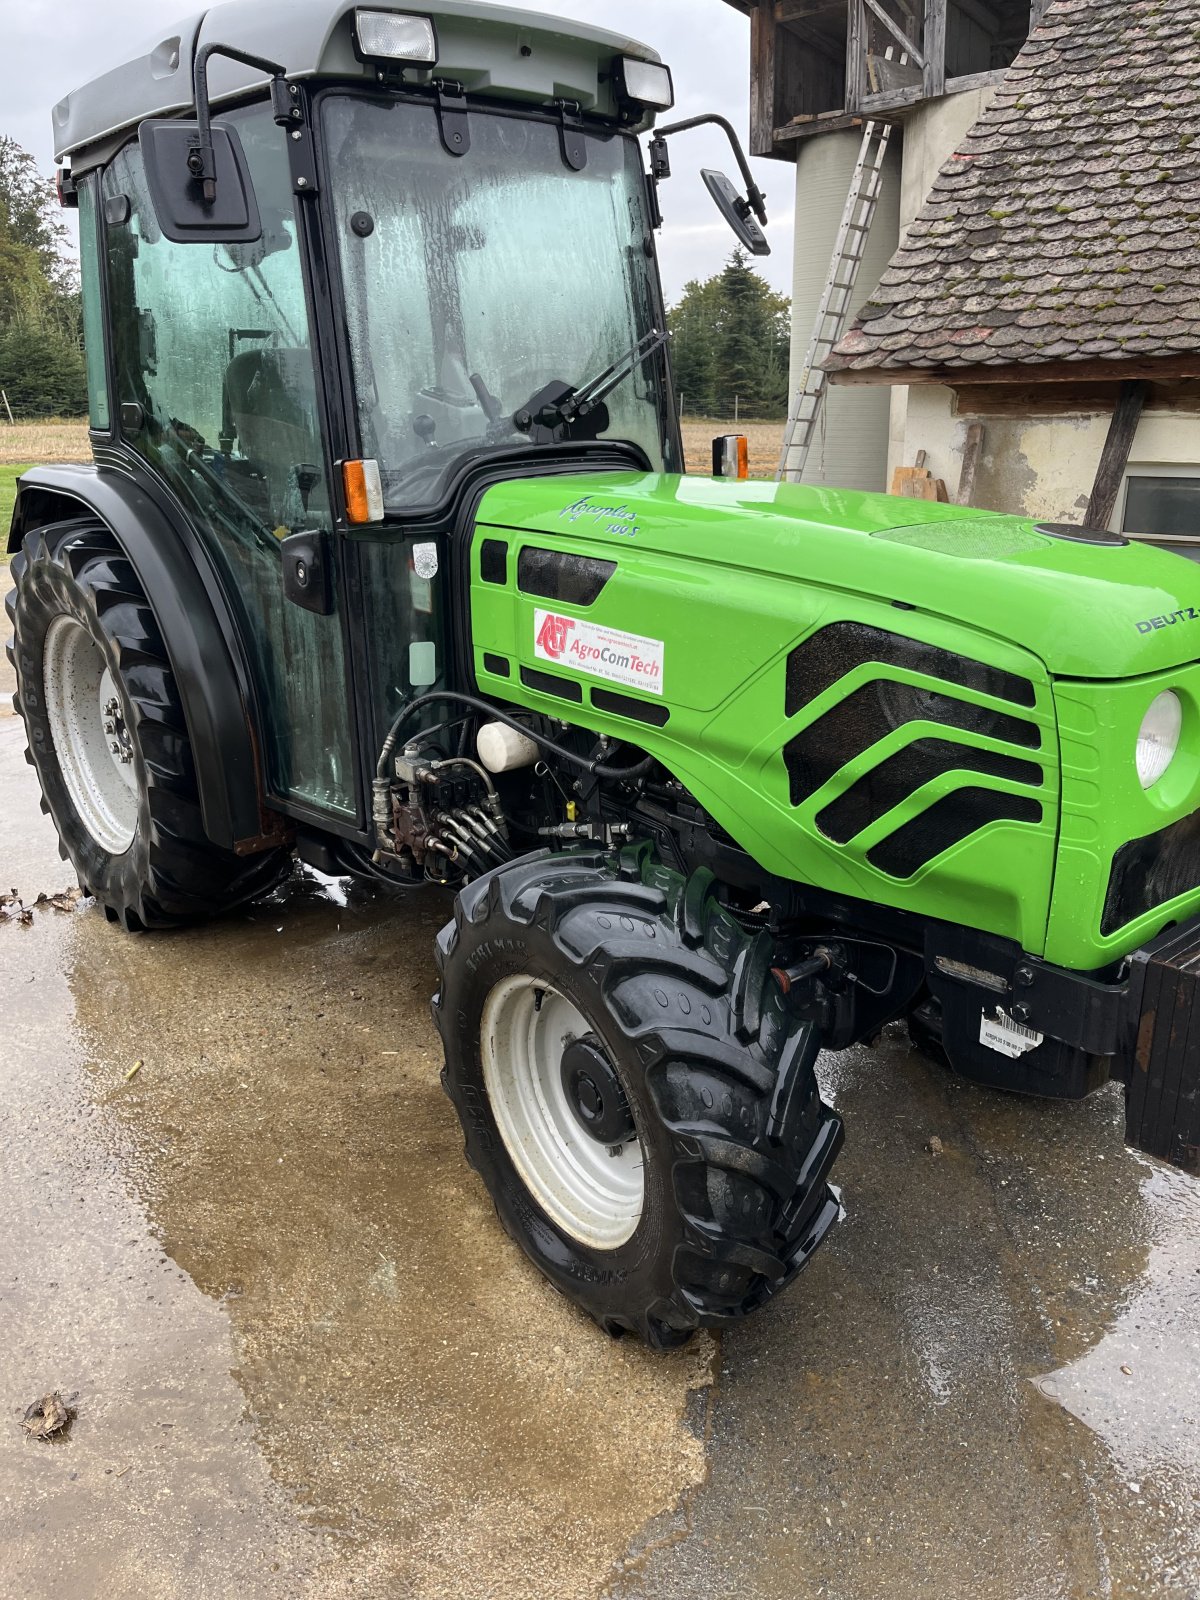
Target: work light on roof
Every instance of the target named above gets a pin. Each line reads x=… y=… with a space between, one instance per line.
x=647 y=83
x=396 y=36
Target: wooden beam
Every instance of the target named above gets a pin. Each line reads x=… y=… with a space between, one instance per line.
x=897 y=32
x=1114 y=458
x=1181 y=398
x=856 y=55
x=764 y=42
x=1157 y=369
x=894 y=99
x=973 y=80
x=808 y=127
x=806 y=10
x=972 y=450
x=935 y=48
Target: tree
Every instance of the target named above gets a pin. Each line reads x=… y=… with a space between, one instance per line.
x=41 y=361
x=730 y=338
x=29 y=214
x=41 y=376
x=693 y=325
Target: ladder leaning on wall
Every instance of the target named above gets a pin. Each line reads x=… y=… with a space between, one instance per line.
x=833 y=310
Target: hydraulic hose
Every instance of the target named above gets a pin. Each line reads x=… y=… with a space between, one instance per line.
x=597 y=769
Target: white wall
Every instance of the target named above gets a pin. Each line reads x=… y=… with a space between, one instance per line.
x=1037 y=466
x=932 y=133
x=850 y=449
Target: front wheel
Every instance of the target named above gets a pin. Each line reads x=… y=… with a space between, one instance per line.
x=633 y=1091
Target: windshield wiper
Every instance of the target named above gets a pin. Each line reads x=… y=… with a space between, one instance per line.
x=560 y=406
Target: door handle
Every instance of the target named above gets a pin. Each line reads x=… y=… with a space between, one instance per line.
x=308 y=570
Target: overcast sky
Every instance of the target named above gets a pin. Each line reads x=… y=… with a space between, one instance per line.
x=47 y=49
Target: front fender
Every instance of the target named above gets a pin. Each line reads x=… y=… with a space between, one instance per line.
x=198 y=631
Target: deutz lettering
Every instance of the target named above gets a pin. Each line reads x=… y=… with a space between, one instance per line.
x=1184 y=614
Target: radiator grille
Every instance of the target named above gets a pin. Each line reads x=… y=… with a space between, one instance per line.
x=947 y=822
x=831 y=653
x=872 y=712
x=875 y=710
x=1149 y=872
x=894 y=779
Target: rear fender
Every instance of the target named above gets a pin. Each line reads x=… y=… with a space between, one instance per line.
x=197 y=630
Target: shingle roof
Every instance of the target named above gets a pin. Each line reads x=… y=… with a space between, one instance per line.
x=1067 y=227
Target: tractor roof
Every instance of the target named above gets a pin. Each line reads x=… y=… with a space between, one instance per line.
x=480 y=44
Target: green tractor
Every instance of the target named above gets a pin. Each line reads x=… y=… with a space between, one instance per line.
x=385 y=561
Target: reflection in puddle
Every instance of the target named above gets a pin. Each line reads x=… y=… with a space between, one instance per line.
x=1139 y=1387
x=335 y=890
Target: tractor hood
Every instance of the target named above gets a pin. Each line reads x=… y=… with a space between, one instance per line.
x=1087 y=609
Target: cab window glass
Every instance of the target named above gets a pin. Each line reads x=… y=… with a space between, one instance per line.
x=480 y=280
x=93 y=316
x=212 y=342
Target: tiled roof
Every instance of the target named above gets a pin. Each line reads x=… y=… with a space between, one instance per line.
x=1067 y=226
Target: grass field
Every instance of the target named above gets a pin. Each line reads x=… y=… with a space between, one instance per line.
x=28 y=444
x=8 y=490
x=23 y=443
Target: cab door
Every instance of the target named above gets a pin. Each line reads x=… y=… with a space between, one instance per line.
x=217 y=393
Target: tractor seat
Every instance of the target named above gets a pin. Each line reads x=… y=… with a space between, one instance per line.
x=272 y=407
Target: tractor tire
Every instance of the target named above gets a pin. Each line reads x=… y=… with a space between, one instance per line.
x=633 y=1091
x=108 y=739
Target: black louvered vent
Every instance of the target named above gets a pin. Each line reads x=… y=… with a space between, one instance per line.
x=554 y=575
x=875 y=710
x=1146 y=873
x=902 y=774
x=624 y=705
x=836 y=650
x=547 y=683
x=493 y=561
x=947 y=822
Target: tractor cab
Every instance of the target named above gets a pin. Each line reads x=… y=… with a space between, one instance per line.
x=343 y=291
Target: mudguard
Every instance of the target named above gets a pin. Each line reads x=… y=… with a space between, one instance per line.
x=195 y=625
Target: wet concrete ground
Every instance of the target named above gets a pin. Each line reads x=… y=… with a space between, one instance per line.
x=307 y=1361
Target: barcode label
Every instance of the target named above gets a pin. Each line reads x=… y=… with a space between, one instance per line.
x=1000 y=1033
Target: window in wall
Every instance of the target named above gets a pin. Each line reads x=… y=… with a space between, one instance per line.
x=1166 y=504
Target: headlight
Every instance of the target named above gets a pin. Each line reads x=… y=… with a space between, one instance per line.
x=1158 y=737
x=646 y=82
x=396 y=36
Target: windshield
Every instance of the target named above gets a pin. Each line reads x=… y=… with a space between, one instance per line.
x=474 y=282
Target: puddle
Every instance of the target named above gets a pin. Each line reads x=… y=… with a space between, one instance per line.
x=412 y=1383
x=307 y=1359
x=160 y=1487
x=1138 y=1387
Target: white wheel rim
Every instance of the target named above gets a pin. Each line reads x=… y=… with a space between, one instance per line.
x=592 y=1194
x=93 y=744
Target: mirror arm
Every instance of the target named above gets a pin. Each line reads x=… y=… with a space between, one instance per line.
x=756 y=200
x=201 y=161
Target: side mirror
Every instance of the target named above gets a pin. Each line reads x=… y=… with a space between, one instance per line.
x=186 y=213
x=736 y=211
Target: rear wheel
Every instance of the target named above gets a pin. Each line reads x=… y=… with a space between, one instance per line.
x=108 y=738
x=633 y=1091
